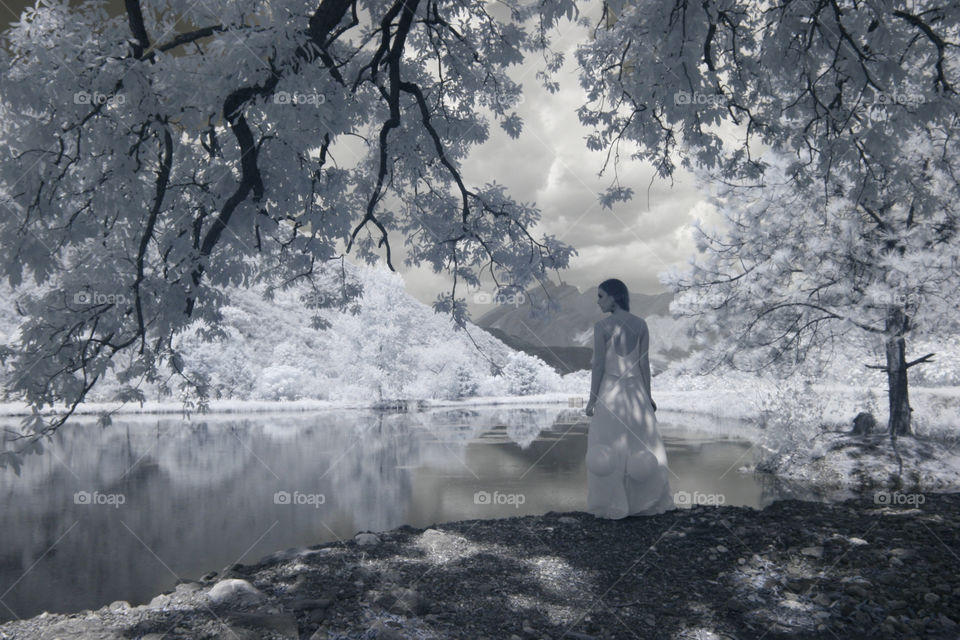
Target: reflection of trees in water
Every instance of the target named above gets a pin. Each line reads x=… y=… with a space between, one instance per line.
x=199 y=498
x=460 y=426
x=457 y=426
x=83 y=453
x=361 y=471
x=366 y=481
x=525 y=424
x=198 y=454
x=710 y=426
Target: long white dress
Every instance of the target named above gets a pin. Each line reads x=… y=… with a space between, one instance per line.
x=627 y=472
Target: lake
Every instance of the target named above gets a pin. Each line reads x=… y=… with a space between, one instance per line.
x=122 y=512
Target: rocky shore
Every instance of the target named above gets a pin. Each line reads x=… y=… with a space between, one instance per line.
x=793 y=570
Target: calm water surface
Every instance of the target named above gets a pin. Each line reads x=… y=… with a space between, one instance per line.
x=120 y=513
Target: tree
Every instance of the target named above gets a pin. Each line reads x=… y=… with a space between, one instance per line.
x=784 y=285
x=144 y=167
x=860 y=100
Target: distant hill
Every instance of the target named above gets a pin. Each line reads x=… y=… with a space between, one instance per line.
x=563 y=359
x=563 y=338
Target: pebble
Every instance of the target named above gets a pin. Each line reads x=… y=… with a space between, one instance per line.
x=366 y=539
x=235 y=591
x=159 y=602
x=187 y=587
x=812 y=552
x=857 y=590
x=734 y=604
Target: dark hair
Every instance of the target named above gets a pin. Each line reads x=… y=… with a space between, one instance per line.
x=618 y=291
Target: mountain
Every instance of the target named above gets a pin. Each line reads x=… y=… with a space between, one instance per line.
x=563 y=359
x=563 y=337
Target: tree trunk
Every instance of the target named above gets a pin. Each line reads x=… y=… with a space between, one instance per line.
x=896 y=325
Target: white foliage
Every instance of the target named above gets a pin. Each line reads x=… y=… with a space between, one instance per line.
x=145 y=182
x=392 y=347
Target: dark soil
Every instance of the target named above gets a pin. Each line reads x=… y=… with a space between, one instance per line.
x=793 y=570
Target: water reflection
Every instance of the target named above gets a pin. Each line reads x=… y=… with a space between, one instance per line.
x=121 y=512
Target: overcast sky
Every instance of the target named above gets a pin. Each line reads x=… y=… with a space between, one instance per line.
x=550 y=165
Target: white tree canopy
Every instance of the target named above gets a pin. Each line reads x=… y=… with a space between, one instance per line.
x=145 y=165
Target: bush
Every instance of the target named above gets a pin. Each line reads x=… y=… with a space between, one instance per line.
x=791 y=415
x=522 y=375
x=282 y=382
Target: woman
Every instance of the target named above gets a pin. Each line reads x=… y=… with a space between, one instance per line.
x=626 y=461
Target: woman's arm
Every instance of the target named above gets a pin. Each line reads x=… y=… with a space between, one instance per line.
x=599 y=361
x=645 y=359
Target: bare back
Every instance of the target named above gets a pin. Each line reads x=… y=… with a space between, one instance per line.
x=627 y=334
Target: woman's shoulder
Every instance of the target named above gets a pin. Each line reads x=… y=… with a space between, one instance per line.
x=635 y=324
x=629 y=318
x=610 y=321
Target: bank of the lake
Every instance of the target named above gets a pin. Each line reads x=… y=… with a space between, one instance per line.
x=792 y=570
